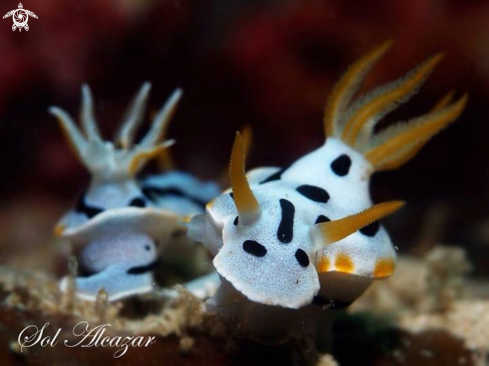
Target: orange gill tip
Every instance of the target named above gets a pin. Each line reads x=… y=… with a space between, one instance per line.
x=337 y=230
x=444 y=101
x=59 y=229
x=401 y=147
x=402 y=158
x=211 y=203
x=166 y=161
x=388 y=98
x=140 y=158
x=244 y=199
x=186 y=219
x=348 y=85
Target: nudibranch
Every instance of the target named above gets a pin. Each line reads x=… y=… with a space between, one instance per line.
x=308 y=234
x=118 y=222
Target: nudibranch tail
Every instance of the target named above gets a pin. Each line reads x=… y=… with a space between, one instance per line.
x=382 y=100
x=337 y=230
x=87 y=116
x=348 y=85
x=133 y=117
x=398 y=143
x=244 y=199
x=160 y=123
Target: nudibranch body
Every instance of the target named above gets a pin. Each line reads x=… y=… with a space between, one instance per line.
x=118 y=222
x=291 y=237
x=272 y=236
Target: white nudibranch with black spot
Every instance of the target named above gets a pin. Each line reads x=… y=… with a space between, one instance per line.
x=308 y=234
x=118 y=222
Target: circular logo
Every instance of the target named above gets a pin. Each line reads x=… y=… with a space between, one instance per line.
x=20 y=17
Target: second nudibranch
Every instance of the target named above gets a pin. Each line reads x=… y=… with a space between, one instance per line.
x=294 y=237
x=120 y=219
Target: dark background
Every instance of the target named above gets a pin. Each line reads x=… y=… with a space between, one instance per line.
x=270 y=64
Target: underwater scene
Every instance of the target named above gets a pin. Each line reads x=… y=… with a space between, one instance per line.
x=282 y=182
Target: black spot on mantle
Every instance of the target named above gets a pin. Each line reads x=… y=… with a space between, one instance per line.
x=275 y=176
x=285 y=232
x=370 y=229
x=254 y=248
x=302 y=257
x=321 y=219
x=341 y=165
x=314 y=193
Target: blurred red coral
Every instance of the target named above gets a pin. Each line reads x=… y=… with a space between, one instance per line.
x=291 y=54
x=72 y=40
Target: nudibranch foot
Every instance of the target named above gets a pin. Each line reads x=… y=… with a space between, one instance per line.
x=116 y=281
x=205 y=286
x=272 y=325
